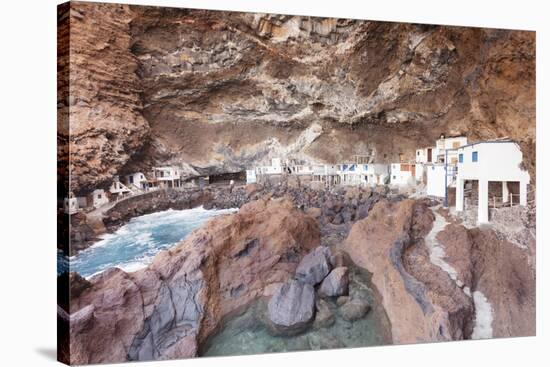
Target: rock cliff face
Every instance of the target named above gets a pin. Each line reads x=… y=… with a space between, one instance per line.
x=167 y=309
x=474 y=284
x=219 y=91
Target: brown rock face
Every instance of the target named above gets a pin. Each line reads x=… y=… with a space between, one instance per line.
x=312 y=88
x=167 y=309
x=103 y=107
x=422 y=303
x=501 y=271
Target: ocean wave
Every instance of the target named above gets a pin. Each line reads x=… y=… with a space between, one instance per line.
x=134 y=245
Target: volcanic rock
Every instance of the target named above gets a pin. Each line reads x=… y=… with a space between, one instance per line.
x=292 y=306
x=323 y=315
x=315 y=266
x=141 y=94
x=167 y=309
x=336 y=283
x=355 y=309
x=421 y=301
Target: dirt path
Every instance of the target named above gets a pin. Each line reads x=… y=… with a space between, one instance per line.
x=484 y=313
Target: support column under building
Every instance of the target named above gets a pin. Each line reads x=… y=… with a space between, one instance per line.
x=505 y=192
x=523 y=193
x=459 y=204
x=483 y=201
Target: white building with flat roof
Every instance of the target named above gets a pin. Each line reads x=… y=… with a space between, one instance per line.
x=446 y=148
x=118 y=189
x=353 y=174
x=250 y=176
x=136 y=181
x=276 y=168
x=70 y=205
x=98 y=198
x=167 y=177
x=403 y=174
x=426 y=155
x=490 y=161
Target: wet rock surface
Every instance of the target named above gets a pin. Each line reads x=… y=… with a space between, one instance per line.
x=315 y=266
x=251 y=332
x=292 y=306
x=355 y=309
x=336 y=283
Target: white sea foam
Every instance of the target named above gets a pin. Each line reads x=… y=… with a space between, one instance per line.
x=134 y=245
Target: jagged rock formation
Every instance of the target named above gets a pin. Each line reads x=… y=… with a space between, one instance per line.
x=169 y=308
x=220 y=91
x=484 y=281
x=431 y=308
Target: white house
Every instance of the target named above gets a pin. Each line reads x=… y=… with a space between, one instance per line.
x=403 y=174
x=70 y=205
x=301 y=169
x=167 y=177
x=118 y=189
x=497 y=160
x=377 y=173
x=250 y=176
x=136 y=181
x=276 y=168
x=97 y=198
x=446 y=147
x=426 y=155
x=352 y=174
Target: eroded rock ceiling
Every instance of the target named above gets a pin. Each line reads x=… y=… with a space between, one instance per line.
x=221 y=91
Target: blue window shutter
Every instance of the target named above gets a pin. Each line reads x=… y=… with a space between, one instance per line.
x=474 y=156
x=461 y=158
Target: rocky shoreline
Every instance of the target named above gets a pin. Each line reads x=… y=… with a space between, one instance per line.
x=270 y=248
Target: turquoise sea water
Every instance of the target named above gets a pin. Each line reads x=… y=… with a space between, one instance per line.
x=135 y=244
x=248 y=333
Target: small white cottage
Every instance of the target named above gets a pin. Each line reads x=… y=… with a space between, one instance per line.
x=276 y=168
x=70 y=205
x=403 y=174
x=97 y=198
x=250 y=176
x=136 y=181
x=167 y=177
x=446 y=148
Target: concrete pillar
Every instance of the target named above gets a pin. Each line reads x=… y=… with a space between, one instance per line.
x=459 y=205
x=505 y=192
x=523 y=193
x=483 y=201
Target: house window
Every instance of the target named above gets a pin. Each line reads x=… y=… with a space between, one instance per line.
x=99 y=196
x=474 y=156
x=366 y=167
x=418 y=153
x=461 y=158
x=394 y=177
x=131 y=179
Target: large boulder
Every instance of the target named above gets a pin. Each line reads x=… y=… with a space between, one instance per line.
x=336 y=283
x=292 y=306
x=315 y=266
